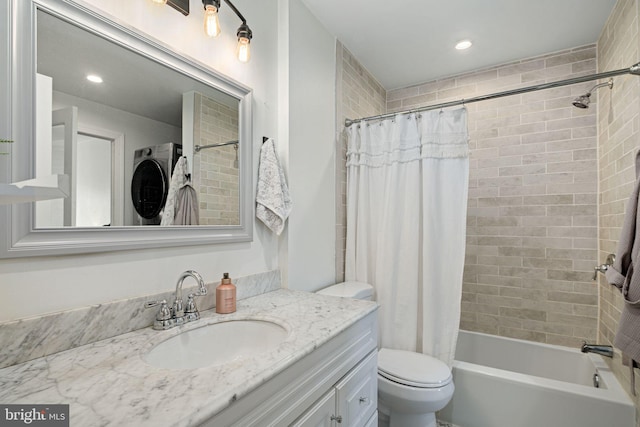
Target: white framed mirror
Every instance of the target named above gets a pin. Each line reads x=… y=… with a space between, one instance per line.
x=116 y=142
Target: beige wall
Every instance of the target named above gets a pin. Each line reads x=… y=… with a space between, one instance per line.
x=618 y=142
x=215 y=177
x=358 y=94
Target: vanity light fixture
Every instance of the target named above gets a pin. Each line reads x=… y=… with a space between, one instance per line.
x=464 y=44
x=181 y=6
x=212 y=23
x=212 y=27
x=94 y=78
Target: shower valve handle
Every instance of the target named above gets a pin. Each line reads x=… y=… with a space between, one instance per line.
x=599 y=269
x=602 y=268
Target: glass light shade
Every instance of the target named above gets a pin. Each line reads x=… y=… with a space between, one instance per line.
x=211 y=22
x=159 y=1
x=244 y=49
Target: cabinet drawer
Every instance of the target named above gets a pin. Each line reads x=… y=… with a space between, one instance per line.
x=373 y=421
x=357 y=392
x=321 y=414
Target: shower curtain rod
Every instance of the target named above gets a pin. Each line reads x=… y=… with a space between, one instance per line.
x=197 y=148
x=634 y=69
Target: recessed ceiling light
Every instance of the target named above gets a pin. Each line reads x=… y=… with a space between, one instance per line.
x=464 y=44
x=93 y=78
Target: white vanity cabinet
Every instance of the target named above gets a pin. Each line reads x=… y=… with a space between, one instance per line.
x=351 y=402
x=337 y=379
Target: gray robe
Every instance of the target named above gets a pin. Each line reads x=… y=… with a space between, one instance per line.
x=186 y=211
x=622 y=275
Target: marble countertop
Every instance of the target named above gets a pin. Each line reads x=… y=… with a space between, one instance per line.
x=108 y=382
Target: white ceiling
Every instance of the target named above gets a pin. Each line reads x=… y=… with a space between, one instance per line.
x=407 y=42
x=132 y=82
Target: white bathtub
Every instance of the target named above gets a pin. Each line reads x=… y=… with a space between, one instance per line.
x=504 y=382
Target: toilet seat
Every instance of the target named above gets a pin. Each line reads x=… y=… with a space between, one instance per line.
x=413 y=369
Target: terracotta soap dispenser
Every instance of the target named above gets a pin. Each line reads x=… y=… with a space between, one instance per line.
x=226 y=296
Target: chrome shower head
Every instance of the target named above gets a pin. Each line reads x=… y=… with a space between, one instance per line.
x=583 y=101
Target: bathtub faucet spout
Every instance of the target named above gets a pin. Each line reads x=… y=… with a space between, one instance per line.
x=603 y=350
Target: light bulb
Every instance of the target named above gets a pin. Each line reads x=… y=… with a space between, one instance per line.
x=464 y=44
x=159 y=1
x=244 y=49
x=94 y=78
x=211 y=22
x=244 y=42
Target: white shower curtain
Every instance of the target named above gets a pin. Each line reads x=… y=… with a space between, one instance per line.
x=407 y=181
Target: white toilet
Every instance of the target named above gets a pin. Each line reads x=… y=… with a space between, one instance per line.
x=411 y=386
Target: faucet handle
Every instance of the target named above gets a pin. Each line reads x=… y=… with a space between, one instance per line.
x=191 y=311
x=164 y=313
x=163 y=318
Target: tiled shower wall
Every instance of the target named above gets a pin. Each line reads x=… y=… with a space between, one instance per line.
x=358 y=95
x=618 y=143
x=531 y=224
x=215 y=176
x=531 y=244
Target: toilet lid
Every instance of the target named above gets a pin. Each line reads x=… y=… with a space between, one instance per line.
x=357 y=290
x=413 y=369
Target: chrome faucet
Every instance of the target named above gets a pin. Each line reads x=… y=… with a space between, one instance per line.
x=179 y=314
x=603 y=350
x=191 y=312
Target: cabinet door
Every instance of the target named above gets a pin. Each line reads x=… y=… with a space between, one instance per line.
x=357 y=393
x=321 y=414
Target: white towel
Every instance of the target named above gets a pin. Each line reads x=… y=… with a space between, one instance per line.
x=273 y=202
x=178 y=179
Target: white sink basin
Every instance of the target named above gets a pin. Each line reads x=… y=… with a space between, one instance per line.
x=216 y=344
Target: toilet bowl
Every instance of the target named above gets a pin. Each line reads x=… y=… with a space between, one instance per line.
x=411 y=386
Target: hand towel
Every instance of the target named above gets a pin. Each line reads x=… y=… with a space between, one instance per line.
x=178 y=179
x=273 y=202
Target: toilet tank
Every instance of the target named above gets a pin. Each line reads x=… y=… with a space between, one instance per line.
x=352 y=289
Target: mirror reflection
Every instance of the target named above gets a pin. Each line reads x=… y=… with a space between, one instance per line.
x=117 y=122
